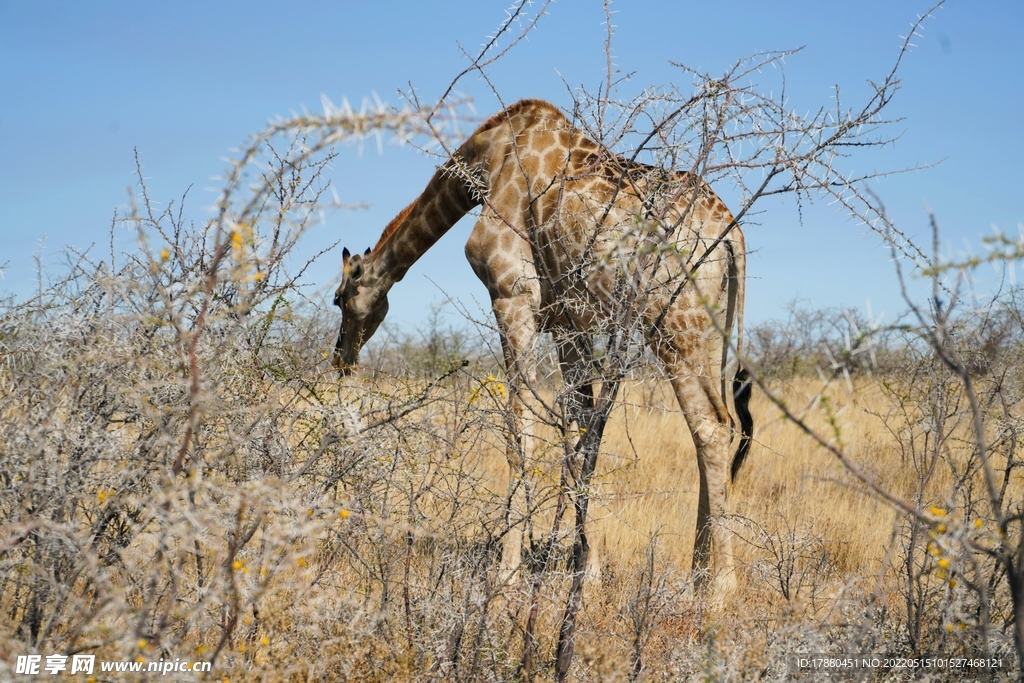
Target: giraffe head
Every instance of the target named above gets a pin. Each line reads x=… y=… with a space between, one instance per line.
x=362 y=311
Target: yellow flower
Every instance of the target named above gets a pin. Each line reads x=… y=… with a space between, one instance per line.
x=941 y=528
x=164 y=255
x=949 y=628
x=944 y=563
x=343 y=513
x=142 y=644
x=237 y=565
x=301 y=561
x=937 y=512
x=264 y=641
x=952 y=583
x=977 y=523
x=493 y=385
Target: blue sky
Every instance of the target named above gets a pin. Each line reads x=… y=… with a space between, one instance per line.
x=85 y=83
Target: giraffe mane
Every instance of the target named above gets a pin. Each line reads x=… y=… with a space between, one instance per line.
x=392 y=227
x=513 y=109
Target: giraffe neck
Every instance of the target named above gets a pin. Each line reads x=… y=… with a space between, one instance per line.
x=417 y=228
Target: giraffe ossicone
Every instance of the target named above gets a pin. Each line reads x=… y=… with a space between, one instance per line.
x=564 y=223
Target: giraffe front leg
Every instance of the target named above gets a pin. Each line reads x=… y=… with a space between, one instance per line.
x=575 y=356
x=518 y=330
x=516 y=510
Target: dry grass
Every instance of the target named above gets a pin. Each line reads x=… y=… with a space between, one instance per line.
x=647 y=478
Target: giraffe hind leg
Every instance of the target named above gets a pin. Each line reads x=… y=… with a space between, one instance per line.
x=708 y=422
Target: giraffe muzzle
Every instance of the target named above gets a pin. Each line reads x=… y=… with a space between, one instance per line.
x=344 y=369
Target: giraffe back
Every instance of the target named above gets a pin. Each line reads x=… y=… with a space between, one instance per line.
x=591 y=215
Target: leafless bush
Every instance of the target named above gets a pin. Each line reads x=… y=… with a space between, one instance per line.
x=953 y=393
x=959 y=399
x=175 y=471
x=794 y=559
x=828 y=342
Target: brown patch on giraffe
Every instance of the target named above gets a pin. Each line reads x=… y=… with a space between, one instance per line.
x=542 y=140
x=529 y=160
x=556 y=159
x=564 y=138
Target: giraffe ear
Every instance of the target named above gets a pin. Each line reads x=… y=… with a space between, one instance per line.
x=367 y=252
x=345 y=253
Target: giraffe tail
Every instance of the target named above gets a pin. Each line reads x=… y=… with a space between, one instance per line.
x=741 y=383
x=741 y=390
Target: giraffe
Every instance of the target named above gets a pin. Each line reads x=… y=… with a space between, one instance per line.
x=561 y=219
